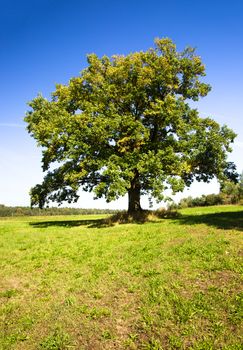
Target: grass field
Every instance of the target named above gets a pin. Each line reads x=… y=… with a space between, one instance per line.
x=75 y=283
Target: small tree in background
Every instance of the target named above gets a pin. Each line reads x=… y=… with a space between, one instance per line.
x=232 y=191
x=241 y=187
x=125 y=126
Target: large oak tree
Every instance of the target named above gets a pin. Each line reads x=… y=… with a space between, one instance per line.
x=124 y=125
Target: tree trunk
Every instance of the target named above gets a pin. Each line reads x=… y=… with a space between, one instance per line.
x=134 y=195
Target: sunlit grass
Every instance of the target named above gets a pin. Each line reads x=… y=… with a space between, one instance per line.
x=78 y=283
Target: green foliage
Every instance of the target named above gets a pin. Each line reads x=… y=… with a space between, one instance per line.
x=125 y=125
x=232 y=192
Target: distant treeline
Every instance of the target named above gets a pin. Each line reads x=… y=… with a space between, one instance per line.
x=203 y=201
x=27 y=211
x=206 y=200
x=230 y=193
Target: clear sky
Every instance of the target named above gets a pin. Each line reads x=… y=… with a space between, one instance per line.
x=44 y=42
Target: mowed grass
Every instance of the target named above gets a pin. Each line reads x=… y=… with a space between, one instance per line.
x=76 y=283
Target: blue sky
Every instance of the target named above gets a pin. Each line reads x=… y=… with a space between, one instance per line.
x=46 y=42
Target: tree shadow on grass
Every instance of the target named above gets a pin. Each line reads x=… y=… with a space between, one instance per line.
x=92 y=223
x=223 y=220
x=118 y=218
x=122 y=217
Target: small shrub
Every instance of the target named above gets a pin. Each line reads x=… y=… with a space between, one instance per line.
x=107 y=335
x=58 y=340
x=8 y=293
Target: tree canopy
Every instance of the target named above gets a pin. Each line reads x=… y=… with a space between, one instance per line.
x=125 y=125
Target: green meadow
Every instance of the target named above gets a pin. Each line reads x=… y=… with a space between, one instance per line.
x=78 y=282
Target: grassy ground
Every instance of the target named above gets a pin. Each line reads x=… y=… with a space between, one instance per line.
x=75 y=283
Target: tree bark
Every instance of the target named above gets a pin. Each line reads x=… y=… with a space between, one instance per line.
x=134 y=195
